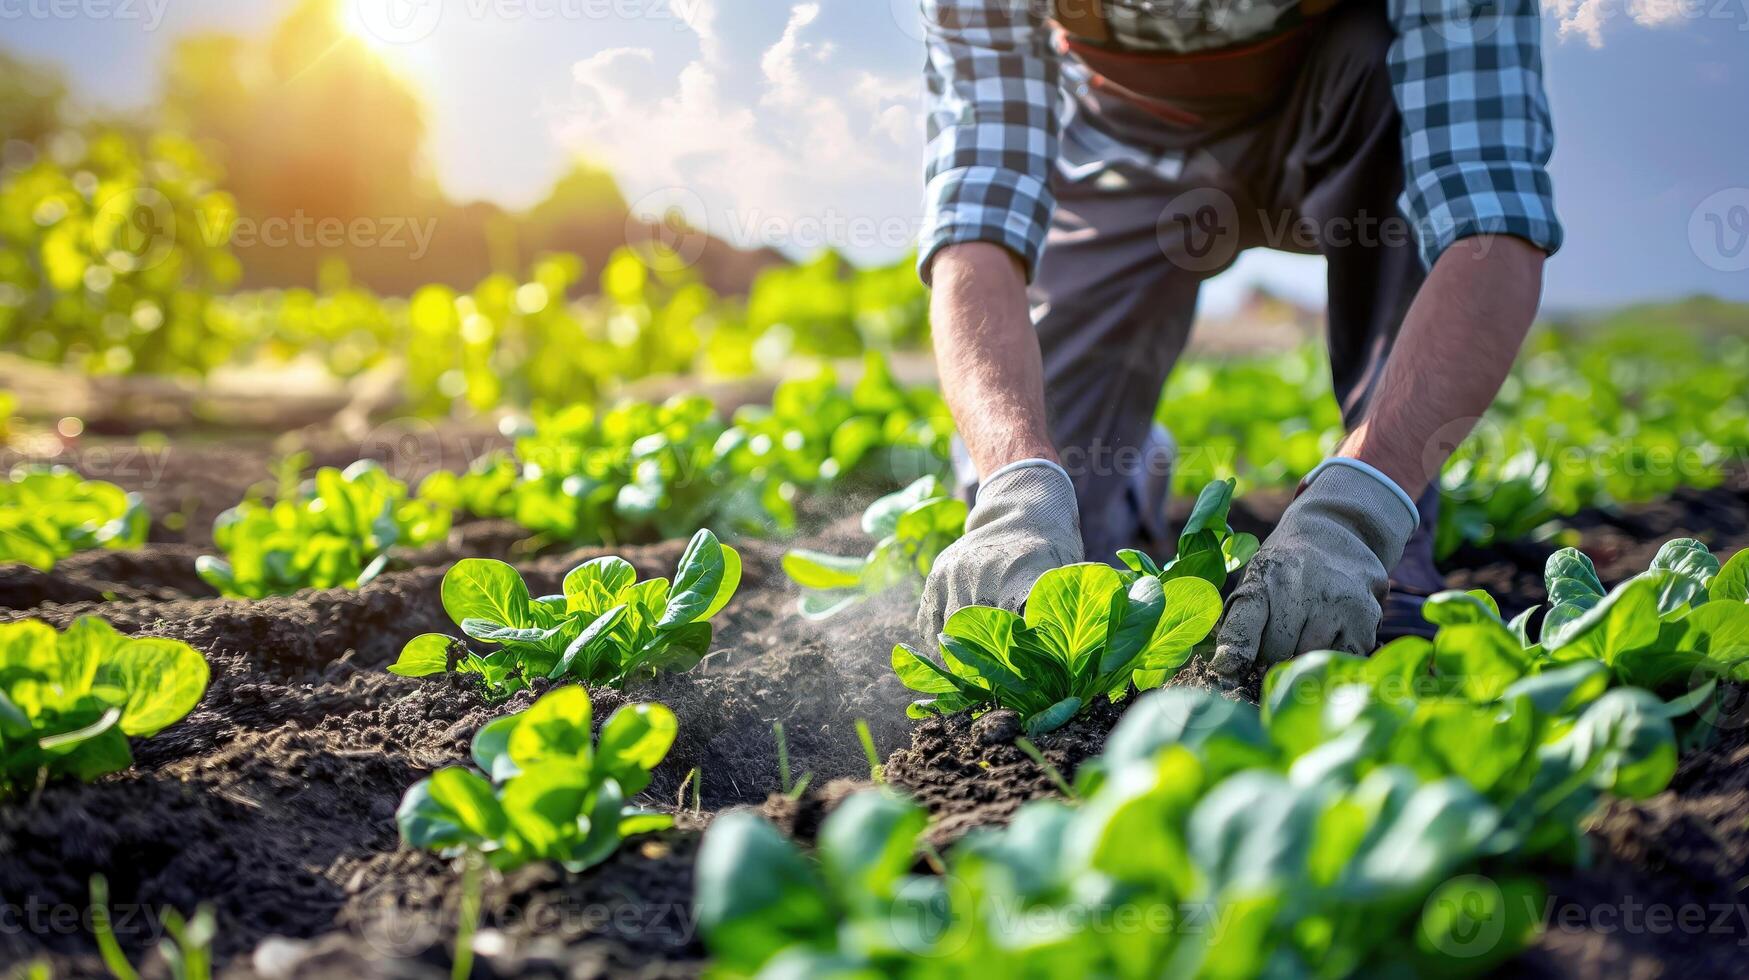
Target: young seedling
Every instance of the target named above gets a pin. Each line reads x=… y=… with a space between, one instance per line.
x=104 y=930
x=782 y=757
x=636 y=472
x=70 y=701
x=1675 y=629
x=1208 y=548
x=50 y=512
x=187 y=951
x=911 y=527
x=876 y=771
x=335 y=532
x=1085 y=635
x=545 y=789
x=758 y=895
x=1037 y=755
x=605 y=628
x=794 y=790
x=690 y=782
x=467 y=914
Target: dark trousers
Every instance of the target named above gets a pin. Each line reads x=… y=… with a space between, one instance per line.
x=1137 y=231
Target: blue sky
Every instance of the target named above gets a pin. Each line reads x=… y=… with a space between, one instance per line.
x=796 y=124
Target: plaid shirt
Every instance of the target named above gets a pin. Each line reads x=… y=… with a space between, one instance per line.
x=1467 y=76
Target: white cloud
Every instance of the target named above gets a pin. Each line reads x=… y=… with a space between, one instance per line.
x=1586 y=18
x=593 y=73
x=701 y=17
x=809 y=155
x=779 y=62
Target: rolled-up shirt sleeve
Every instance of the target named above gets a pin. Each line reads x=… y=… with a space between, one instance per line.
x=1467 y=76
x=992 y=104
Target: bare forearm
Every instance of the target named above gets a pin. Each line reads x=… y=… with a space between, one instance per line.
x=988 y=356
x=1457 y=344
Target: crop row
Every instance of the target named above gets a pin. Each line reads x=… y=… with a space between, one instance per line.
x=636 y=472
x=1374 y=815
x=1593 y=414
x=1625 y=411
x=1594 y=421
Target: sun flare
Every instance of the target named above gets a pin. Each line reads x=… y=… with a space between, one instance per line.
x=390 y=28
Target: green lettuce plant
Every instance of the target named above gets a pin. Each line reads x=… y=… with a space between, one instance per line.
x=105 y=272
x=1084 y=635
x=679 y=481
x=1338 y=830
x=1679 y=628
x=50 y=512
x=641 y=471
x=1208 y=548
x=70 y=701
x=1373 y=817
x=1482 y=503
x=910 y=527
x=546 y=789
x=1624 y=397
x=485 y=489
x=1526 y=741
x=606 y=627
x=767 y=910
x=1731 y=584
x=635 y=472
x=817 y=432
x=336 y=533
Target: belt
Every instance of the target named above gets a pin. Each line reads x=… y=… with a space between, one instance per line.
x=1195 y=90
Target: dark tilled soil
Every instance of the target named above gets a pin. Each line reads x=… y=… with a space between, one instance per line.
x=274 y=800
x=972 y=774
x=187 y=482
x=1663 y=896
x=163 y=571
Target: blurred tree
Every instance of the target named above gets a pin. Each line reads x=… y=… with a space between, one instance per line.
x=310 y=126
x=31 y=98
x=585 y=193
x=310 y=120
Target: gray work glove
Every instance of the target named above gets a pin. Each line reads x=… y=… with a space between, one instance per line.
x=1024 y=524
x=1318 y=582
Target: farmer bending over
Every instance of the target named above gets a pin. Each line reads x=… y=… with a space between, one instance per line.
x=1111 y=156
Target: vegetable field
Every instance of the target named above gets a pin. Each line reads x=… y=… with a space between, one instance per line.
x=403 y=585
x=532 y=630
x=634 y=692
